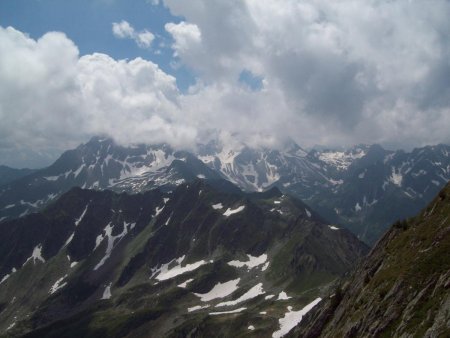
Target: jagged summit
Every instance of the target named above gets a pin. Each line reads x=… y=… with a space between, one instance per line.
x=364 y=188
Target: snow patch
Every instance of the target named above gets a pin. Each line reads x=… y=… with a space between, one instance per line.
x=79 y=219
x=250 y=294
x=5 y=277
x=230 y=211
x=197 y=307
x=111 y=241
x=168 y=220
x=332 y=227
x=293 y=318
x=185 y=283
x=107 y=292
x=308 y=213
x=24 y=213
x=217 y=206
x=51 y=178
x=58 y=285
x=69 y=239
x=226 y=312
x=165 y=273
x=251 y=263
x=158 y=210
x=220 y=290
x=251 y=327
x=283 y=296
x=36 y=255
x=341 y=160
x=335 y=182
x=396 y=177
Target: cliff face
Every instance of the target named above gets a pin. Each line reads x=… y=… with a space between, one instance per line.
x=402 y=289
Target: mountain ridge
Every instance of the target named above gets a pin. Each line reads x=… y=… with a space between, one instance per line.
x=364 y=188
x=400 y=289
x=105 y=260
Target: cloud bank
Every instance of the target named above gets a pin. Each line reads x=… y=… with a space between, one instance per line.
x=332 y=73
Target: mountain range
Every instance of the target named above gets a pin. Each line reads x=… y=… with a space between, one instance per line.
x=148 y=241
x=179 y=263
x=364 y=188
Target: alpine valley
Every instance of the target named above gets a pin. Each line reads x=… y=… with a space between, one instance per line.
x=150 y=241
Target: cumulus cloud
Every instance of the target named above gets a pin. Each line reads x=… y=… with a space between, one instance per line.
x=373 y=71
x=123 y=30
x=333 y=73
x=185 y=36
x=51 y=98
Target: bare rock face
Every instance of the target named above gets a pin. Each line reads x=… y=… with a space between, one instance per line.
x=401 y=290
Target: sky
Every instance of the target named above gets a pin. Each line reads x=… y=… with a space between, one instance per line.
x=259 y=72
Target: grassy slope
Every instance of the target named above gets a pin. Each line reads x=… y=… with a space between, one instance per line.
x=403 y=288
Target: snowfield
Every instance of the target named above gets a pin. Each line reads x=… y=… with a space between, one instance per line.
x=220 y=290
x=293 y=318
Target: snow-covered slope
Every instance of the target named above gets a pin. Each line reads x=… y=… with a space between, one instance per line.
x=364 y=188
x=102 y=164
x=101 y=264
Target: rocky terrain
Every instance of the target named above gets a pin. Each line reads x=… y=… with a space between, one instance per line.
x=199 y=260
x=364 y=188
x=401 y=290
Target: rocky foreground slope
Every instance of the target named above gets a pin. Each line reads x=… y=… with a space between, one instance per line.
x=401 y=290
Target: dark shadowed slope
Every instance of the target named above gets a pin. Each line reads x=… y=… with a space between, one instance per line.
x=100 y=264
x=8 y=174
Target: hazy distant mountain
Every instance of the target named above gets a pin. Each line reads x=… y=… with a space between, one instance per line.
x=401 y=290
x=364 y=188
x=101 y=264
x=8 y=174
x=102 y=164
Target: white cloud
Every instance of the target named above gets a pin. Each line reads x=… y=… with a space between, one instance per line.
x=355 y=71
x=333 y=73
x=186 y=36
x=134 y=101
x=50 y=98
x=144 y=39
x=123 y=30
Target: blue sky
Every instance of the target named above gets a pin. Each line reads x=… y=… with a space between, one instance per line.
x=333 y=73
x=88 y=23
